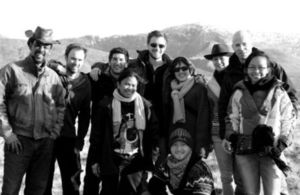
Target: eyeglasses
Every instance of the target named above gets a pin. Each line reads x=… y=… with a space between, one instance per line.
x=257 y=68
x=184 y=68
x=154 y=45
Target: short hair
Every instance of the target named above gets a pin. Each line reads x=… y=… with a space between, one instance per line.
x=118 y=50
x=156 y=33
x=257 y=53
x=72 y=46
x=129 y=73
x=185 y=61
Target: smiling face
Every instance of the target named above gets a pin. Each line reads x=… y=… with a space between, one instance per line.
x=127 y=87
x=242 y=45
x=75 y=60
x=157 y=47
x=39 y=51
x=181 y=72
x=118 y=63
x=220 y=62
x=180 y=150
x=258 y=69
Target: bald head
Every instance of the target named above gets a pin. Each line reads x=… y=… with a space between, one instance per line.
x=242 y=44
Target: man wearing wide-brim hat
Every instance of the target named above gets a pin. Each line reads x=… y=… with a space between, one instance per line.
x=219 y=57
x=31 y=115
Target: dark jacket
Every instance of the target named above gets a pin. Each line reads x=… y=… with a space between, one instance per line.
x=104 y=135
x=197 y=114
x=77 y=105
x=31 y=101
x=197 y=179
x=234 y=73
x=153 y=78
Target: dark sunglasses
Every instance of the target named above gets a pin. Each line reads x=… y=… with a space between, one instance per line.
x=184 y=68
x=154 y=45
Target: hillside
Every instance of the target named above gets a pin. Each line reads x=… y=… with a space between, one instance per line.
x=190 y=40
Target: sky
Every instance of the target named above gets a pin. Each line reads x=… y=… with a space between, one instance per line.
x=75 y=18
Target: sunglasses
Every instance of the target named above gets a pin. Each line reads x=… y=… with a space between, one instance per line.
x=154 y=45
x=184 y=68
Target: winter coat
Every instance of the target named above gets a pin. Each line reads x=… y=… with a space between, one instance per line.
x=198 y=115
x=234 y=73
x=104 y=154
x=276 y=111
x=32 y=100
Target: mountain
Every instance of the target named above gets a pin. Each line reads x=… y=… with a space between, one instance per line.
x=190 y=40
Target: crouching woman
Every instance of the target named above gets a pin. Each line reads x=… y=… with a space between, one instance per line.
x=259 y=99
x=127 y=132
x=183 y=171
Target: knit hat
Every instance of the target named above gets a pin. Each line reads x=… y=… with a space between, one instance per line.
x=180 y=134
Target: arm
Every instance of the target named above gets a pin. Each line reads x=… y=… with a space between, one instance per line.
x=280 y=73
x=225 y=93
x=287 y=120
x=84 y=117
x=60 y=108
x=5 y=89
x=6 y=131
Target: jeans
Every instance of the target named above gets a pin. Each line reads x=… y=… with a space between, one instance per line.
x=225 y=165
x=34 y=160
x=67 y=162
x=254 y=168
x=91 y=182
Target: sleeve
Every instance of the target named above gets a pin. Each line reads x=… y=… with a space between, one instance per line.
x=225 y=93
x=151 y=136
x=5 y=88
x=287 y=120
x=60 y=108
x=204 y=120
x=84 y=117
x=280 y=73
x=232 y=120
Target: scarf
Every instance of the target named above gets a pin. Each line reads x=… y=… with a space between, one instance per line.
x=264 y=84
x=177 y=169
x=178 y=92
x=139 y=110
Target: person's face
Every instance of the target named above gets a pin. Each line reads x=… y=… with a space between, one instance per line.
x=180 y=150
x=257 y=69
x=75 y=60
x=242 y=46
x=118 y=63
x=157 y=47
x=39 y=51
x=181 y=72
x=127 y=87
x=220 y=62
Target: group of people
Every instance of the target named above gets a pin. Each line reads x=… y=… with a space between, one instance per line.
x=153 y=120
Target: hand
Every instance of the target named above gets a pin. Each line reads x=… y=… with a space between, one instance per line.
x=94 y=74
x=155 y=154
x=61 y=69
x=200 y=78
x=174 y=94
x=76 y=151
x=13 y=143
x=96 y=169
x=227 y=146
x=203 y=152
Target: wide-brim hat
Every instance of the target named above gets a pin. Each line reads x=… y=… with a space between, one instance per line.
x=219 y=50
x=41 y=34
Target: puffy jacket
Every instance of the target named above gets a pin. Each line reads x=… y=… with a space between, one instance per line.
x=234 y=73
x=31 y=101
x=276 y=111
